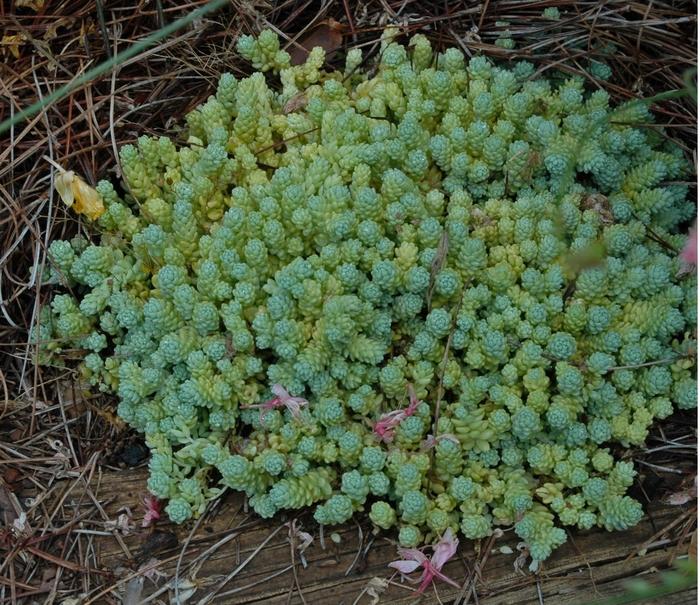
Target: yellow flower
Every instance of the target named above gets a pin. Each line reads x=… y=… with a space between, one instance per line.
x=77 y=194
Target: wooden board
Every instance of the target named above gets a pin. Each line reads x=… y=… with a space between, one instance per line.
x=594 y=565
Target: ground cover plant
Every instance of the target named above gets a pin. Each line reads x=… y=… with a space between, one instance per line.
x=438 y=292
x=434 y=289
x=73 y=475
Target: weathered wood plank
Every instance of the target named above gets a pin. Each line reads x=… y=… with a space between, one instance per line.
x=597 y=564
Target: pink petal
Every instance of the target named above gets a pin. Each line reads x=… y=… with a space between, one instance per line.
x=294 y=408
x=426 y=580
x=280 y=391
x=293 y=404
x=384 y=427
x=395 y=416
x=405 y=567
x=152 y=511
x=445 y=549
x=149 y=518
x=441 y=576
x=380 y=429
x=386 y=436
x=430 y=574
x=412 y=554
x=271 y=404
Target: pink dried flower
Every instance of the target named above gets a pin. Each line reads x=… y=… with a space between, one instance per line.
x=413 y=559
x=281 y=399
x=384 y=427
x=293 y=404
x=152 y=510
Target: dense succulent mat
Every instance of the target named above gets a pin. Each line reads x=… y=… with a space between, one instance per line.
x=449 y=287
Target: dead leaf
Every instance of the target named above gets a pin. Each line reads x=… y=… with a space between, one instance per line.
x=297 y=102
x=87 y=27
x=10 y=508
x=109 y=417
x=11 y=476
x=52 y=29
x=601 y=204
x=680 y=498
x=72 y=396
x=12 y=43
x=35 y=5
x=185 y=591
x=124 y=522
x=521 y=559
x=77 y=194
x=328 y=34
x=683 y=496
x=375 y=588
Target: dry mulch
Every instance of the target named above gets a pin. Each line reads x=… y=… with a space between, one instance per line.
x=59 y=444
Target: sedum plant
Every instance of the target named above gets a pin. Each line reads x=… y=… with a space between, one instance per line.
x=440 y=291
